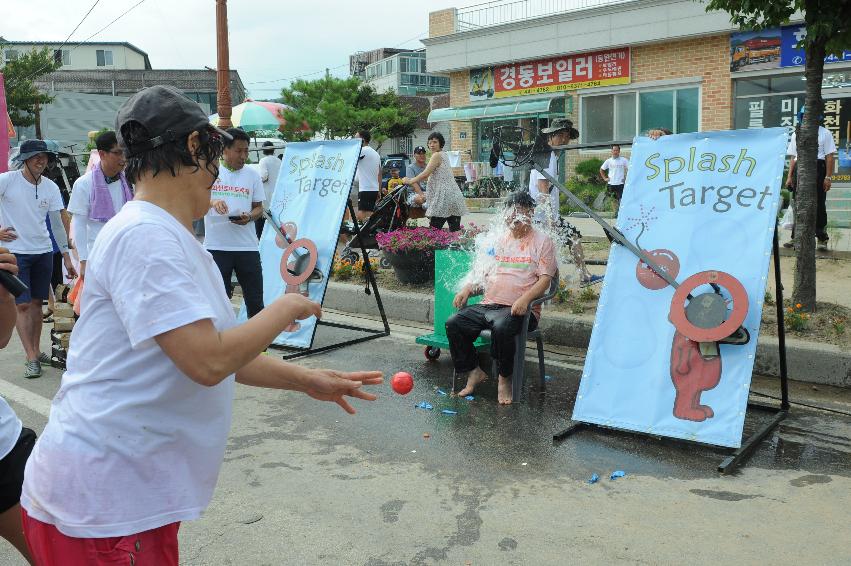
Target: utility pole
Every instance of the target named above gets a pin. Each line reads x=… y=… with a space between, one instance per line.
x=224 y=103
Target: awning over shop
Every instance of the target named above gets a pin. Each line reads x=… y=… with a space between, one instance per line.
x=537 y=106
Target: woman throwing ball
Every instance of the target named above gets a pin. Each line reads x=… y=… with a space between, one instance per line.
x=137 y=431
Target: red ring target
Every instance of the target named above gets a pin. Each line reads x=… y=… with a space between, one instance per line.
x=737 y=291
x=311 y=265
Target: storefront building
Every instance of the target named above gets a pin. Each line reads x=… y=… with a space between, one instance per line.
x=617 y=69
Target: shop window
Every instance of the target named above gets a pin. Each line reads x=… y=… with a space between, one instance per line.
x=62 y=56
x=687 y=110
x=11 y=55
x=598 y=114
x=656 y=110
x=624 y=116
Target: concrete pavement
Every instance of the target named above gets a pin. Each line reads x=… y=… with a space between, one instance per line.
x=304 y=483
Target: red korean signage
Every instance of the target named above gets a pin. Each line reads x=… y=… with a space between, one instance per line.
x=556 y=74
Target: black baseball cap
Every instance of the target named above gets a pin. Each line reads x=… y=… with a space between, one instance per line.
x=165 y=113
x=419 y=149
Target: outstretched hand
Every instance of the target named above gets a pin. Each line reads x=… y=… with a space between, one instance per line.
x=332 y=385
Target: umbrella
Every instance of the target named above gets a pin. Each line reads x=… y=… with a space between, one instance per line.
x=252 y=115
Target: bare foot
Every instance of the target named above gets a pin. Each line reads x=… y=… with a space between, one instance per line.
x=474 y=378
x=503 y=391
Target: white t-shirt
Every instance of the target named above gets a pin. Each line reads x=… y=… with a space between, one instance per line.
x=826 y=145
x=369 y=165
x=10 y=428
x=132 y=443
x=24 y=207
x=534 y=177
x=80 y=204
x=269 y=168
x=616 y=166
x=238 y=189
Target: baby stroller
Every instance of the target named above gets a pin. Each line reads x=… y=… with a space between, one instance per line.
x=391 y=212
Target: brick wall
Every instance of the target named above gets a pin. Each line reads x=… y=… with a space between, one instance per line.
x=706 y=57
x=442 y=22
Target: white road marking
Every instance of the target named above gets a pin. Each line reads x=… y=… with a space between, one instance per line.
x=25 y=397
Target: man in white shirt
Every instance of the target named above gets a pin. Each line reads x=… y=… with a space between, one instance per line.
x=98 y=195
x=824 y=168
x=229 y=233
x=27 y=198
x=560 y=132
x=369 y=176
x=270 y=165
x=616 y=167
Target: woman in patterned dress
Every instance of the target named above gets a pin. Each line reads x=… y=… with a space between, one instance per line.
x=444 y=198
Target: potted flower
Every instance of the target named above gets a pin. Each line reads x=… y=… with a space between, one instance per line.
x=410 y=251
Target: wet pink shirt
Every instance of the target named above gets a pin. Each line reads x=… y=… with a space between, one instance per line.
x=519 y=265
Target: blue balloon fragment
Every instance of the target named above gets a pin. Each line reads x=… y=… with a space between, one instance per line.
x=424 y=405
x=491 y=251
x=469 y=398
x=617 y=474
x=448 y=412
x=594 y=478
x=441 y=392
x=548 y=378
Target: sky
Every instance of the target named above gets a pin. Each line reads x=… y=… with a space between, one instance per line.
x=270 y=40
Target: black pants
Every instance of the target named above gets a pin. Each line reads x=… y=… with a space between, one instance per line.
x=439 y=221
x=821 y=203
x=57 y=276
x=463 y=327
x=249 y=273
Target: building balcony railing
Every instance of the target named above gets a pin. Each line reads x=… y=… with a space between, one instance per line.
x=498 y=12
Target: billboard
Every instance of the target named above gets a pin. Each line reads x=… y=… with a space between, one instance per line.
x=704 y=207
x=772 y=48
x=310 y=197
x=555 y=74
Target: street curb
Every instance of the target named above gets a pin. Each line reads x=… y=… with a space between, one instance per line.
x=806 y=361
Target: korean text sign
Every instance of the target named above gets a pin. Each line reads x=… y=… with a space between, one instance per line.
x=310 y=197
x=556 y=74
x=702 y=205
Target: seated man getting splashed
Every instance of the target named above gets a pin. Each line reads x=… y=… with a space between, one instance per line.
x=520 y=267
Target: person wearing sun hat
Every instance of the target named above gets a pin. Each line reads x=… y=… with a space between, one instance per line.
x=27 y=199
x=560 y=132
x=138 y=428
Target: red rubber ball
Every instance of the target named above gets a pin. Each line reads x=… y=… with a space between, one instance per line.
x=402 y=382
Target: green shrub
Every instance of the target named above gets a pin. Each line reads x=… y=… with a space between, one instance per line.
x=586 y=192
x=588 y=170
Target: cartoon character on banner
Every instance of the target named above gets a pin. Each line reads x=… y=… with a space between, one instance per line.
x=298 y=268
x=700 y=325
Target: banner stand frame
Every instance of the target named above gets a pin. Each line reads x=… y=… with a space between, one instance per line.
x=749 y=445
x=372 y=333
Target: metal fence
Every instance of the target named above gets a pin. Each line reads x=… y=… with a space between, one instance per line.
x=500 y=12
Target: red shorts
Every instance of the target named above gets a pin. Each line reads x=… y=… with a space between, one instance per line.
x=49 y=547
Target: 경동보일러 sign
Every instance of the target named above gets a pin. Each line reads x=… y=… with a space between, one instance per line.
x=310 y=198
x=704 y=207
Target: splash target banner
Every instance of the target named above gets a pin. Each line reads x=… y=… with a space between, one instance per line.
x=678 y=362
x=310 y=199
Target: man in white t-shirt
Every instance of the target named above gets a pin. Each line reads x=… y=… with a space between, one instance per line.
x=369 y=176
x=229 y=233
x=824 y=170
x=98 y=195
x=560 y=132
x=616 y=167
x=270 y=165
x=27 y=198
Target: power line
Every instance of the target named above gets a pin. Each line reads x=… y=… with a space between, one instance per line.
x=418 y=36
x=61 y=45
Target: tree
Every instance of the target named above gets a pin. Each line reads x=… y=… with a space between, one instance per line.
x=22 y=96
x=828 y=31
x=336 y=108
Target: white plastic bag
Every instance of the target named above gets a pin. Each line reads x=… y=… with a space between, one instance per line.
x=788 y=220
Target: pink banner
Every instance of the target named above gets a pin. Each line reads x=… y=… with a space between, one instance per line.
x=4 y=130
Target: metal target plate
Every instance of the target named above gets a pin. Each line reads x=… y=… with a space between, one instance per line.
x=707 y=323
x=304 y=267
